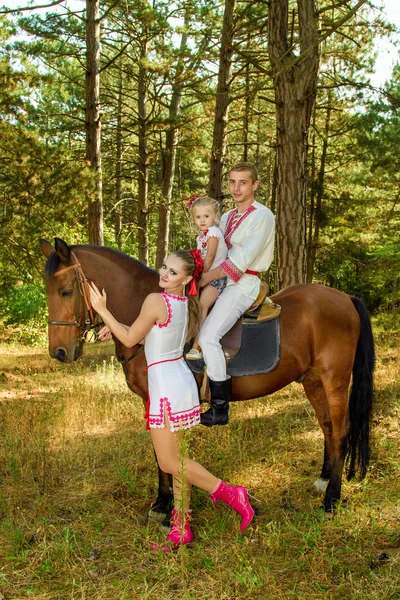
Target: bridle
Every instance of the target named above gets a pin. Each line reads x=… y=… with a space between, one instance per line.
x=83 y=287
x=89 y=325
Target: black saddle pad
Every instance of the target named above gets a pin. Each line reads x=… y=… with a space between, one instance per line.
x=258 y=354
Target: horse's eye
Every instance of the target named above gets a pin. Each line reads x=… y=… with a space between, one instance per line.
x=66 y=293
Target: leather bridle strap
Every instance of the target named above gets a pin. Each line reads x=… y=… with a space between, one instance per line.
x=83 y=287
x=125 y=361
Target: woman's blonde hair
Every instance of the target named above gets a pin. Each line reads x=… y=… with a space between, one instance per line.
x=207 y=201
x=194 y=304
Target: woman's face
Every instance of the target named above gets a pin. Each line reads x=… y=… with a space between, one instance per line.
x=173 y=274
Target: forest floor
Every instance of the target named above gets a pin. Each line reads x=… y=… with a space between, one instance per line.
x=78 y=477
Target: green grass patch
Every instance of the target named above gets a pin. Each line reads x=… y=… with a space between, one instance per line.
x=78 y=477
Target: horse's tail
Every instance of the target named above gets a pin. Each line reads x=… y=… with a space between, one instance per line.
x=360 y=404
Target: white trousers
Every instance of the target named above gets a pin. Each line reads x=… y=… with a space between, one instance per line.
x=229 y=306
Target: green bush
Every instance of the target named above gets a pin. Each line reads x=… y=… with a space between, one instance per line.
x=24 y=307
x=22 y=304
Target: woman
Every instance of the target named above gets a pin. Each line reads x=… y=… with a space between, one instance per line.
x=165 y=321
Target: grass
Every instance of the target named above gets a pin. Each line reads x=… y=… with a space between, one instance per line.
x=78 y=476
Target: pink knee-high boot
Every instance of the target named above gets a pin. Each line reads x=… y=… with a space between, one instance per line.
x=236 y=497
x=179 y=535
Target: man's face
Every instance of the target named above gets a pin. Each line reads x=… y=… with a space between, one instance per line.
x=241 y=187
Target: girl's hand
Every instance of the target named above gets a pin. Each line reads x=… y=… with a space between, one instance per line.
x=97 y=298
x=105 y=334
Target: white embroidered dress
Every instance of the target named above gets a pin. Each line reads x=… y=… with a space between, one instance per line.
x=171 y=383
x=202 y=245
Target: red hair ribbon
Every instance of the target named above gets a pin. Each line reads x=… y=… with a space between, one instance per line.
x=192 y=201
x=198 y=269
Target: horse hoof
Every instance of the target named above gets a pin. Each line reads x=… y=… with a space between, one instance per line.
x=319 y=486
x=156 y=515
x=165 y=524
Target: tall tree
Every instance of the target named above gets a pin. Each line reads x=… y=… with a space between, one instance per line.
x=171 y=143
x=92 y=120
x=222 y=101
x=295 y=77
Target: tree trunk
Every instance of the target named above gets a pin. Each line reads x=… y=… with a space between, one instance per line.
x=92 y=122
x=319 y=192
x=246 y=116
x=295 y=86
x=313 y=191
x=218 y=150
x=118 y=170
x=143 y=179
x=171 y=144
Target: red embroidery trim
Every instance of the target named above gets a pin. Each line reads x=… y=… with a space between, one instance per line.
x=180 y=298
x=231 y=228
x=147 y=412
x=183 y=418
x=169 y=311
x=231 y=270
x=159 y=362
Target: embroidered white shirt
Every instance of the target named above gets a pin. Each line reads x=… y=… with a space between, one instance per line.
x=250 y=242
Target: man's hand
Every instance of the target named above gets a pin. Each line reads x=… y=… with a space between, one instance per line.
x=216 y=273
x=203 y=281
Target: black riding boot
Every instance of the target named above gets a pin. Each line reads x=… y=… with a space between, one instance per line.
x=218 y=413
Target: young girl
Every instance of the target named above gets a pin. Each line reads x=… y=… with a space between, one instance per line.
x=211 y=244
x=165 y=321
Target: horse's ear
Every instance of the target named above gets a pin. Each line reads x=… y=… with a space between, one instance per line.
x=46 y=248
x=63 y=250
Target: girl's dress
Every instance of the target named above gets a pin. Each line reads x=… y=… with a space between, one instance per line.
x=171 y=383
x=221 y=254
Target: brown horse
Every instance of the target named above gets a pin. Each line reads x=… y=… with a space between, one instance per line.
x=326 y=339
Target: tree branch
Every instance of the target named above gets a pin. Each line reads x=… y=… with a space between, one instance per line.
x=10 y=11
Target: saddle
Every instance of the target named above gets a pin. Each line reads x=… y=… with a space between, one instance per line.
x=263 y=309
x=252 y=345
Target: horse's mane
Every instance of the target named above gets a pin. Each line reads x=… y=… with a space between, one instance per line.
x=53 y=261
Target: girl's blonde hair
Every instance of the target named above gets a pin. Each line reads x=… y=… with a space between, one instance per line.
x=207 y=201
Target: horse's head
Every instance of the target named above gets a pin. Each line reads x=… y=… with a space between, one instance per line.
x=67 y=310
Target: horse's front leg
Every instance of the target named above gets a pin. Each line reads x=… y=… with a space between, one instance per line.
x=134 y=366
x=160 y=510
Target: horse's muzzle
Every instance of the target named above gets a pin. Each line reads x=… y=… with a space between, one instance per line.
x=65 y=355
x=61 y=354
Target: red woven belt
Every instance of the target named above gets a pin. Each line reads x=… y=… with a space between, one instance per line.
x=251 y=272
x=163 y=361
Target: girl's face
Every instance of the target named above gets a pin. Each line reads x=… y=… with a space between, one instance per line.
x=173 y=276
x=203 y=217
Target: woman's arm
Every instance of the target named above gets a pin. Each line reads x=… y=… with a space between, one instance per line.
x=212 y=245
x=153 y=309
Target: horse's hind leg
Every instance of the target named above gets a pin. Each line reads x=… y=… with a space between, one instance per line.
x=315 y=393
x=336 y=388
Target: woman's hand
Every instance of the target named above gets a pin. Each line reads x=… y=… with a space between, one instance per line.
x=97 y=298
x=105 y=334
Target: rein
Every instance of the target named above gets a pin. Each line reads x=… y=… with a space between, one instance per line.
x=82 y=285
x=125 y=361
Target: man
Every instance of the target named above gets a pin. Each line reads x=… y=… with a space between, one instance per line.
x=249 y=232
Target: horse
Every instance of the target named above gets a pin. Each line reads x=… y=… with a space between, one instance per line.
x=326 y=344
